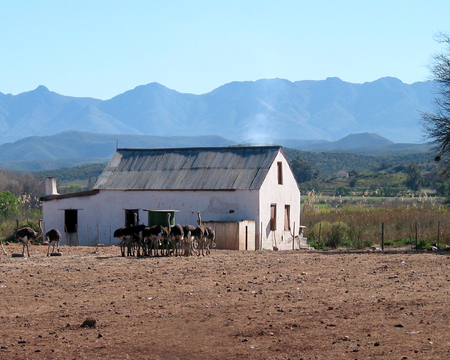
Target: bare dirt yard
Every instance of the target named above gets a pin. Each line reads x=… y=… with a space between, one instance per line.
x=228 y=305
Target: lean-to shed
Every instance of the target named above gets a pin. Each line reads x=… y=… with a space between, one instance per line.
x=253 y=184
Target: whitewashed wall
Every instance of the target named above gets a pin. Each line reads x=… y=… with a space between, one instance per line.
x=106 y=210
x=273 y=193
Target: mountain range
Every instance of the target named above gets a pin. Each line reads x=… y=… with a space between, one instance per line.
x=263 y=111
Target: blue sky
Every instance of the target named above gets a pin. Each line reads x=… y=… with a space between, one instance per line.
x=103 y=48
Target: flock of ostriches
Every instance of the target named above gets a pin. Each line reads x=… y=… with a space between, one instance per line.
x=141 y=240
x=26 y=235
x=158 y=240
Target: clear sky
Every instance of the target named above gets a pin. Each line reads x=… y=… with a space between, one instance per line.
x=102 y=48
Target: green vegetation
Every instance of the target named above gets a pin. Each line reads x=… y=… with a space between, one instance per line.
x=328 y=163
x=380 y=176
x=406 y=222
x=74 y=179
x=19 y=202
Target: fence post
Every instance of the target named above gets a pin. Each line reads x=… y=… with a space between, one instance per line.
x=320 y=230
x=439 y=232
x=382 y=236
x=293 y=239
x=416 y=235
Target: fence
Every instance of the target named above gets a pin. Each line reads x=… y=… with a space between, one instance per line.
x=423 y=224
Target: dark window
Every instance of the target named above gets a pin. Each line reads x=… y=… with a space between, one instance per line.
x=287 y=217
x=71 y=221
x=280 y=172
x=273 y=217
x=131 y=217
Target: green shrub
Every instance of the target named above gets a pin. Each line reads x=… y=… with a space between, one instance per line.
x=337 y=235
x=356 y=237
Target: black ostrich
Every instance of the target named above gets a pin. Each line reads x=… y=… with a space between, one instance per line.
x=53 y=236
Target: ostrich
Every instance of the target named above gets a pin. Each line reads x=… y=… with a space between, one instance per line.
x=188 y=244
x=120 y=234
x=152 y=236
x=53 y=236
x=166 y=237
x=176 y=235
x=129 y=237
x=199 y=235
x=137 y=238
x=210 y=239
x=25 y=235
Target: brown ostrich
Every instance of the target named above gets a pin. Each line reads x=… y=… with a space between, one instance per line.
x=210 y=239
x=25 y=235
x=53 y=236
x=199 y=235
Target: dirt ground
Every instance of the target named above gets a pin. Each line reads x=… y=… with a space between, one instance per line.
x=228 y=305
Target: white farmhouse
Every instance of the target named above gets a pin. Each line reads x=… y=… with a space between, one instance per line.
x=251 y=190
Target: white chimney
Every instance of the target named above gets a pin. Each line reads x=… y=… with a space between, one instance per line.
x=50 y=186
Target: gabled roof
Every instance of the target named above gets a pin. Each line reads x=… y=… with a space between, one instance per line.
x=215 y=168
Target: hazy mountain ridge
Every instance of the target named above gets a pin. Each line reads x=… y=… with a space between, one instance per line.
x=71 y=148
x=77 y=147
x=247 y=111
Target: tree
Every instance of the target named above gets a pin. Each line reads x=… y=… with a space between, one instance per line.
x=9 y=205
x=303 y=170
x=436 y=125
x=414 y=177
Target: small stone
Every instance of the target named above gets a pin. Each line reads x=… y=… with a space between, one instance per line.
x=100 y=336
x=89 y=322
x=399 y=325
x=376 y=344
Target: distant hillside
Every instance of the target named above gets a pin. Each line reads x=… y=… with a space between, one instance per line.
x=365 y=143
x=72 y=148
x=329 y=163
x=250 y=112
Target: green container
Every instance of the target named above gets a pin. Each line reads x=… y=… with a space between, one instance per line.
x=159 y=217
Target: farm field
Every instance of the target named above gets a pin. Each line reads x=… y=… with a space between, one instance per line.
x=228 y=305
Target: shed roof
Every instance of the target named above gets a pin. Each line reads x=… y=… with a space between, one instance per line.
x=214 y=168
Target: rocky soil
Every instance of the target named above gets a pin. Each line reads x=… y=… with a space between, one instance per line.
x=93 y=304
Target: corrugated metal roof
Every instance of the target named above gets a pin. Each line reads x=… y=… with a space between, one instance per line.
x=217 y=168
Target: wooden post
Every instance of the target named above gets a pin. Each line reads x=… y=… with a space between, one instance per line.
x=416 y=235
x=78 y=240
x=439 y=232
x=382 y=236
x=320 y=230
x=293 y=238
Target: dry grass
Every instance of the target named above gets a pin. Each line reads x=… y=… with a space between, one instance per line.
x=404 y=220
